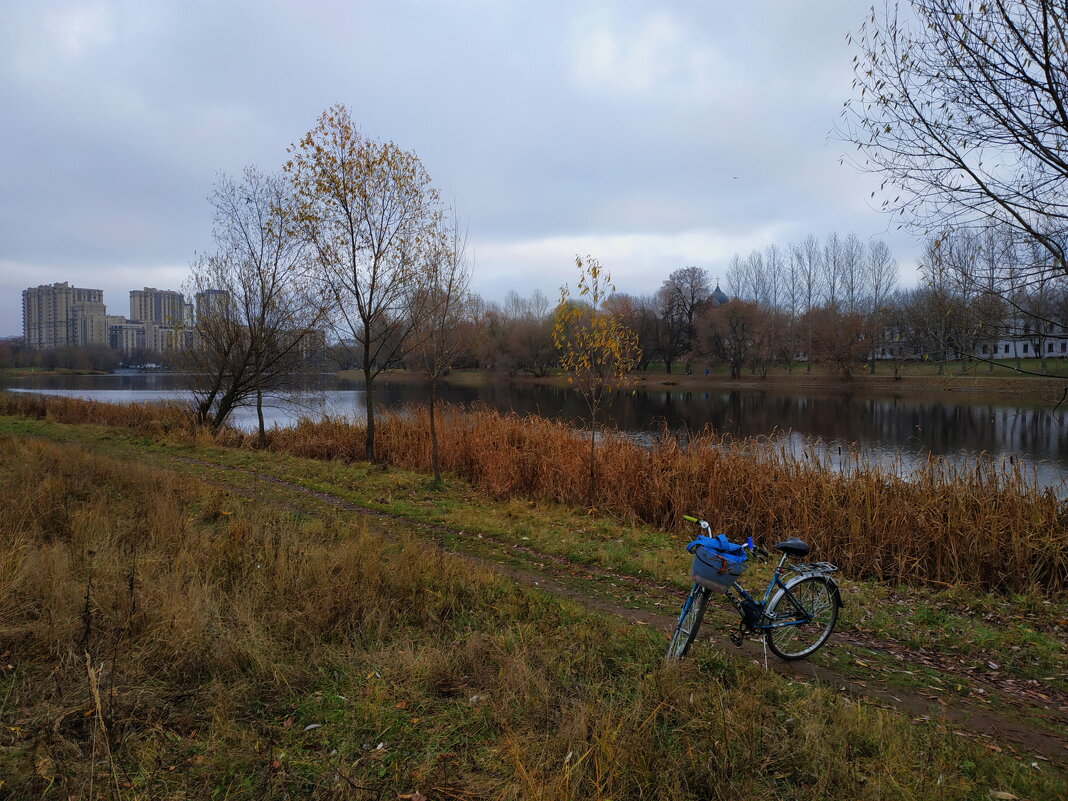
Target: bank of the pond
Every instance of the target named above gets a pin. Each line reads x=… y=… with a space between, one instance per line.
x=899 y=429
x=985 y=525
x=919 y=381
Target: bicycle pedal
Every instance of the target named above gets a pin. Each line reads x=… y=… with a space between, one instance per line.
x=736 y=638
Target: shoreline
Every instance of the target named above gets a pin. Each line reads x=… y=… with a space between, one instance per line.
x=1033 y=388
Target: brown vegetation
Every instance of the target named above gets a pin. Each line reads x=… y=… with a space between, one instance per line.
x=162 y=640
x=985 y=525
x=148 y=418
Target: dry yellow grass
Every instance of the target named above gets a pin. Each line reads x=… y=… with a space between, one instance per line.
x=153 y=418
x=983 y=525
x=163 y=640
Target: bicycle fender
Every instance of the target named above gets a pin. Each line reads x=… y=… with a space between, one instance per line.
x=794 y=580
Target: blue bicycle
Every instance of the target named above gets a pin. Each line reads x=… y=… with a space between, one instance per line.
x=796 y=615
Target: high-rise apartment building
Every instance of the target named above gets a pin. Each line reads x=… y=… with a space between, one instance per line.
x=162 y=306
x=54 y=315
x=89 y=323
x=212 y=301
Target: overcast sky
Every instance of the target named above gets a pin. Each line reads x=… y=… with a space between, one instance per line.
x=650 y=135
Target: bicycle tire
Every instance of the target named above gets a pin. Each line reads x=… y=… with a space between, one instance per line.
x=819 y=598
x=693 y=612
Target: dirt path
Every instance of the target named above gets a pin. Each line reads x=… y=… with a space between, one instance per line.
x=580 y=583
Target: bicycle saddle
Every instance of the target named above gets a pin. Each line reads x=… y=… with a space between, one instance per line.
x=793 y=546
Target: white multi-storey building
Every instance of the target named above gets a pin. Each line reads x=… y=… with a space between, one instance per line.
x=161 y=306
x=55 y=315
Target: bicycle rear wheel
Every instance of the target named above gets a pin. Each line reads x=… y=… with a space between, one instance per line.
x=693 y=611
x=814 y=605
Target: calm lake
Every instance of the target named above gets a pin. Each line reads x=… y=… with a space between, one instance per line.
x=896 y=431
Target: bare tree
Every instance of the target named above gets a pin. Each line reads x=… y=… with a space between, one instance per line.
x=732 y=332
x=442 y=336
x=258 y=320
x=880 y=276
x=681 y=294
x=881 y=273
x=739 y=278
x=854 y=286
x=518 y=335
x=832 y=270
x=774 y=270
x=962 y=108
x=808 y=258
x=638 y=313
x=373 y=219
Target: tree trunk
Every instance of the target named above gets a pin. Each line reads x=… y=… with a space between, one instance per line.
x=435 y=458
x=204 y=407
x=368 y=397
x=259 y=404
x=259 y=417
x=593 y=468
x=369 y=448
x=226 y=405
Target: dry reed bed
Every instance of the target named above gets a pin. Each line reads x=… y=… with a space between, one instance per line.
x=162 y=640
x=149 y=418
x=985 y=525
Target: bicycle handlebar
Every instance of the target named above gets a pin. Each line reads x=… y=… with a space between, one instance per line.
x=756 y=549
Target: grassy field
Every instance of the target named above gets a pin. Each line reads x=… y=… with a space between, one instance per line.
x=163 y=637
x=977 y=524
x=980 y=525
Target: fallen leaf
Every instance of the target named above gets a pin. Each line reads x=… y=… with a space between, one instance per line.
x=45 y=768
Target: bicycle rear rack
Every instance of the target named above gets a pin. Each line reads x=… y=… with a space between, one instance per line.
x=813 y=567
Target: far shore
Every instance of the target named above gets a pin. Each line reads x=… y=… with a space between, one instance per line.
x=1044 y=389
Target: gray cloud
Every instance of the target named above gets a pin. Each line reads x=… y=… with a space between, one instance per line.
x=613 y=128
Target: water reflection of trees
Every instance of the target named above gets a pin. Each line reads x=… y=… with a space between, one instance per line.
x=885 y=424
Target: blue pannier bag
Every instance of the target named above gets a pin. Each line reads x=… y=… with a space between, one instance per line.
x=717 y=562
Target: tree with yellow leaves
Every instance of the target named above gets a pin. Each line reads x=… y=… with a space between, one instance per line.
x=374 y=223
x=597 y=350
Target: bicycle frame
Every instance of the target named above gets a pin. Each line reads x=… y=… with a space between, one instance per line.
x=740 y=595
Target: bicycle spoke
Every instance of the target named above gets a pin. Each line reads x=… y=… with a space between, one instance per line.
x=810 y=601
x=688 y=624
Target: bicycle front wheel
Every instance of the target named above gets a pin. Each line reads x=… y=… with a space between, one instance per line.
x=689 y=622
x=801 y=618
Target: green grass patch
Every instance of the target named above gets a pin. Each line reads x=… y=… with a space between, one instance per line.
x=167 y=639
x=1023 y=634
